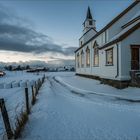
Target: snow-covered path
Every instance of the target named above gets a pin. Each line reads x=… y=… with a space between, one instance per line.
x=62 y=115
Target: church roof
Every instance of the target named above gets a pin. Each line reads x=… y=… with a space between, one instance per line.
x=123 y=34
x=89 y=16
x=136 y=15
x=133 y=19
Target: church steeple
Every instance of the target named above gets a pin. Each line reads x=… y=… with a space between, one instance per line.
x=89 y=21
x=89 y=16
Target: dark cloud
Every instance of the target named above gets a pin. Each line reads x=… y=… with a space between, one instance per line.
x=17 y=37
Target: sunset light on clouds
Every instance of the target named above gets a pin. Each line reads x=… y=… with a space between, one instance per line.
x=46 y=30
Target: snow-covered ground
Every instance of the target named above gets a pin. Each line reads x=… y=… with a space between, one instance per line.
x=14 y=95
x=91 y=87
x=17 y=77
x=62 y=113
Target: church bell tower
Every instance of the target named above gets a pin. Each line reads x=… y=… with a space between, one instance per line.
x=89 y=21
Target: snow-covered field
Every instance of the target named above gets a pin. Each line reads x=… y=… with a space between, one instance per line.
x=76 y=108
x=12 y=89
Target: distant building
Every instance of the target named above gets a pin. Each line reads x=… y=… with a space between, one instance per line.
x=112 y=54
x=2 y=73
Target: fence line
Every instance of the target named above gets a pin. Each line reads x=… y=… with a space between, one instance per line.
x=34 y=89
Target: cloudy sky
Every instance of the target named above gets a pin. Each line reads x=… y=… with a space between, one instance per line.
x=48 y=30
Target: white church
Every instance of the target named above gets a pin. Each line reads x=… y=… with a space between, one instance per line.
x=112 y=54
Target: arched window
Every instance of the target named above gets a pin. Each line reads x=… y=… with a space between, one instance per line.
x=82 y=58
x=87 y=57
x=96 y=54
x=78 y=60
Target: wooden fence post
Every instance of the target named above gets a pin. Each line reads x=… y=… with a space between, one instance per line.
x=43 y=78
x=27 y=101
x=38 y=84
x=36 y=89
x=33 y=96
x=18 y=84
x=6 y=119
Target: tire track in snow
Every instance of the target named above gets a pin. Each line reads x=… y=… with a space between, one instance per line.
x=122 y=105
x=80 y=92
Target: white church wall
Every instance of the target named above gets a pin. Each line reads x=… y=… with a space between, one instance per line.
x=108 y=71
x=103 y=70
x=124 y=54
x=103 y=38
x=133 y=39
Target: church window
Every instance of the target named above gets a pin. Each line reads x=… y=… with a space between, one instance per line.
x=78 y=61
x=109 y=57
x=82 y=58
x=96 y=55
x=88 y=57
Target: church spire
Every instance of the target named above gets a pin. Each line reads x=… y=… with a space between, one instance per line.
x=89 y=16
x=89 y=21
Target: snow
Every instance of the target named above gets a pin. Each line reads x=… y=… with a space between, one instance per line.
x=14 y=97
x=61 y=114
x=89 y=86
x=17 y=77
x=15 y=104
